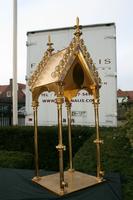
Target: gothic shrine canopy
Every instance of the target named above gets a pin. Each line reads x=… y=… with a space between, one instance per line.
x=73 y=67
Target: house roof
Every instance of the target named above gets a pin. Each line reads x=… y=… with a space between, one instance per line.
x=21 y=86
x=5 y=88
x=121 y=93
x=2 y=88
x=128 y=94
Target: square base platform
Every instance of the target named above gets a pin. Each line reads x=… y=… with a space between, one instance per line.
x=75 y=180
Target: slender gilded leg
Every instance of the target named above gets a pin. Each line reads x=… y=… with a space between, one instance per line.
x=98 y=141
x=68 y=106
x=60 y=145
x=35 y=107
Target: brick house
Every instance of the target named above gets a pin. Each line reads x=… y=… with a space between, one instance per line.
x=124 y=102
x=6 y=103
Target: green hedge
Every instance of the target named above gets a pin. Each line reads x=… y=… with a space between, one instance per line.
x=116 y=156
x=16 y=159
x=22 y=139
x=17 y=150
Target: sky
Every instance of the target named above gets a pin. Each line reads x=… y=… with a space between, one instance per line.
x=46 y=14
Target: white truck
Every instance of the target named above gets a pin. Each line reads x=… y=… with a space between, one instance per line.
x=100 y=40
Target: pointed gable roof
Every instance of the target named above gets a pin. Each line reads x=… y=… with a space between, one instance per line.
x=72 y=66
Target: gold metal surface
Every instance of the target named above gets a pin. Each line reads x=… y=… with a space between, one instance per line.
x=76 y=181
x=77 y=33
x=59 y=72
x=60 y=146
x=69 y=94
x=68 y=106
x=54 y=67
x=35 y=107
x=98 y=141
x=49 y=44
x=42 y=75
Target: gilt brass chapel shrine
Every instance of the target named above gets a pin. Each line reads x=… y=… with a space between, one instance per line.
x=66 y=72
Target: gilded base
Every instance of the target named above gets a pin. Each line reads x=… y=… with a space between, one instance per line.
x=76 y=181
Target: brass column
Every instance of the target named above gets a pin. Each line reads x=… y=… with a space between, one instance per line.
x=60 y=145
x=35 y=107
x=68 y=106
x=98 y=141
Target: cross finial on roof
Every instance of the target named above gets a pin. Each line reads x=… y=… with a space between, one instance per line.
x=49 y=44
x=77 y=33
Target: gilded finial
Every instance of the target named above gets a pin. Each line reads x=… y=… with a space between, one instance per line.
x=49 y=44
x=77 y=33
x=77 y=21
x=49 y=39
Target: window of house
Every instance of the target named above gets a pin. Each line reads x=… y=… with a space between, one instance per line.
x=8 y=94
